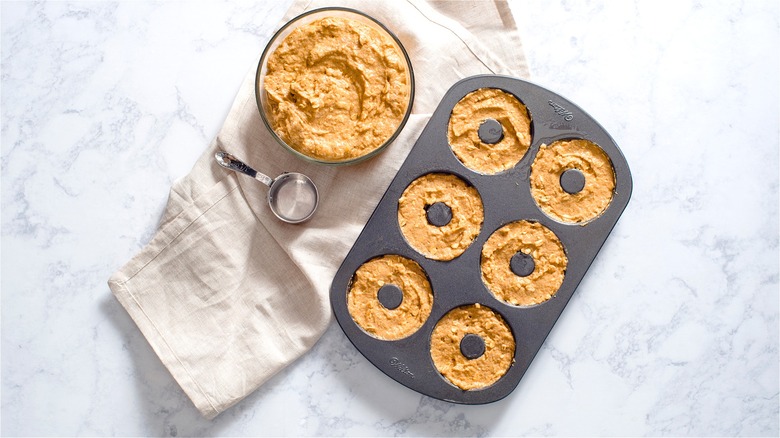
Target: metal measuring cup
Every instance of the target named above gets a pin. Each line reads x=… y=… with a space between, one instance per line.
x=292 y=196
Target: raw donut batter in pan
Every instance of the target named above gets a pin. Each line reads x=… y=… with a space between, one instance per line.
x=534 y=240
x=463 y=130
x=484 y=370
x=440 y=242
x=584 y=156
x=371 y=315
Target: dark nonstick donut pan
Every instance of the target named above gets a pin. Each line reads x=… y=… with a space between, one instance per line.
x=506 y=198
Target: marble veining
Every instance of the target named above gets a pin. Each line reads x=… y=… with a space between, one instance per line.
x=673 y=331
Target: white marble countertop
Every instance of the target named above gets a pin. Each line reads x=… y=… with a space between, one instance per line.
x=674 y=330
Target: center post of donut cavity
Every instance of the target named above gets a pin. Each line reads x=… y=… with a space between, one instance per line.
x=390 y=296
x=522 y=264
x=490 y=131
x=472 y=346
x=438 y=214
x=572 y=181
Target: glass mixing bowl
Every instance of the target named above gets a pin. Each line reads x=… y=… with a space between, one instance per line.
x=309 y=17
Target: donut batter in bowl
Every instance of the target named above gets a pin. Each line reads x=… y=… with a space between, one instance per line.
x=337 y=89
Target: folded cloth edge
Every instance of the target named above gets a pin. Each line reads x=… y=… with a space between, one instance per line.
x=118 y=285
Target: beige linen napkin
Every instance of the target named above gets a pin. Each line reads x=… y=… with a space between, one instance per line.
x=226 y=294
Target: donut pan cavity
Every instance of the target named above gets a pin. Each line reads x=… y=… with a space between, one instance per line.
x=506 y=198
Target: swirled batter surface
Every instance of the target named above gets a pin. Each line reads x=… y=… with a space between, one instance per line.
x=463 y=130
x=337 y=89
x=484 y=370
x=440 y=242
x=588 y=158
x=369 y=313
x=534 y=240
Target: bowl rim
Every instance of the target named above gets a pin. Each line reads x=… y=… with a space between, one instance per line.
x=265 y=54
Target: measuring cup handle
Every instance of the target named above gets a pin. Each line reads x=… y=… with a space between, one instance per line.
x=230 y=162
